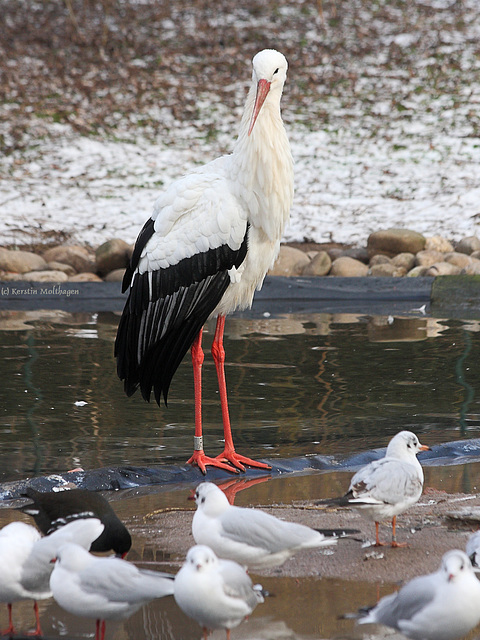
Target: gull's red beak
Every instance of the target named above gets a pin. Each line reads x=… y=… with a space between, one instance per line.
x=263 y=88
x=192 y=495
x=424 y=447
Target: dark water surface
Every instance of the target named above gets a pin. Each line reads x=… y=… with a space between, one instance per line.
x=299 y=384
x=316 y=384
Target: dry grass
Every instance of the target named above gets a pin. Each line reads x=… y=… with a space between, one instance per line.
x=105 y=66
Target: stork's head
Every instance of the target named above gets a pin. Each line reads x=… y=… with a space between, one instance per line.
x=269 y=75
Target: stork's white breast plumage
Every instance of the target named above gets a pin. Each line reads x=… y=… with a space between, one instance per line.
x=211 y=239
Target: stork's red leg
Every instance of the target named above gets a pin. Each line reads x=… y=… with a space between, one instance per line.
x=229 y=453
x=199 y=458
x=11 y=629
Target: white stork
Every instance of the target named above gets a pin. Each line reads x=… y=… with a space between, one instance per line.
x=212 y=237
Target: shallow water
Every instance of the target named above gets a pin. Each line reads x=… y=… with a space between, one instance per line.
x=316 y=384
x=299 y=384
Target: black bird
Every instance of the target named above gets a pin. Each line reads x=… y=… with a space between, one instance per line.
x=52 y=510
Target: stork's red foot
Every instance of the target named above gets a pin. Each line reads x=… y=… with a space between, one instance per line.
x=202 y=462
x=231 y=487
x=240 y=462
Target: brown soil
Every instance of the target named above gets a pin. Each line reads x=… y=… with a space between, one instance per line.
x=428 y=528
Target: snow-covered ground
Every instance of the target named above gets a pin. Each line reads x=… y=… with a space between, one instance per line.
x=393 y=149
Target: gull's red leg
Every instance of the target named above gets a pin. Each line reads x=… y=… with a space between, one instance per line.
x=378 y=543
x=199 y=458
x=38 y=629
x=394 y=535
x=229 y=454
x=11 y=629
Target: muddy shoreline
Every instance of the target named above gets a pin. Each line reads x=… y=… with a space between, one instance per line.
x=437 y=523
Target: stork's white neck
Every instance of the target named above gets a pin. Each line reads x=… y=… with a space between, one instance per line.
x=262 y=166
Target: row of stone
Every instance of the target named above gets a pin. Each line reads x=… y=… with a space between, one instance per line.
x=393 y=252
x=67 y=263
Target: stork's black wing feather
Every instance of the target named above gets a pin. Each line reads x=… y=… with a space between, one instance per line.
x=165 y=311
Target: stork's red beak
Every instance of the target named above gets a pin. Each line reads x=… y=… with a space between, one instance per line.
x=263 y=88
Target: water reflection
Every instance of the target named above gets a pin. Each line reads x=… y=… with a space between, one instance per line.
x=299 y=384
x=297 y=610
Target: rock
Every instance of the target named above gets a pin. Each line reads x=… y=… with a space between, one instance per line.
x=443 y=269
x=319 y=266
x=115 y=276
x=459 y=259
x=475 y=254
x=10 y=276
x=428 y=257
x=348 y=267
x=437 y=243
x=379 y=258
x=393 y=241
x=387 y=269
x=86 y=276
x=335 y=252
x=417 y=272
x=74 y=255
x=20 y=261
x=111 y=255
x=404 y=261
x=473 y=268
x=60 y=266
x=290 y=262
x=468 y=245
x=49 y=275
x=358 y=253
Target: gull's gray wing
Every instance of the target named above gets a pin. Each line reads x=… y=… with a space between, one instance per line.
x=410 y=600
x=237 y=583
x=120 y=581
x=386 y=481
x=262 y=530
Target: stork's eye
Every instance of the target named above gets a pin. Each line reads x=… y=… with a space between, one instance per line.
x=276 y=71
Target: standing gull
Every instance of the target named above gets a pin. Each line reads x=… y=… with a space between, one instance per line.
x=387 y=487
x=104 y=588
x=25 y=558
x=444 y=605
x=212 y=237
x=250 y=537
x=218 y=594
x=473 y=548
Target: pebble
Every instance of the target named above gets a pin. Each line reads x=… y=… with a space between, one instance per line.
x=388 y=253
x=348 y=267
